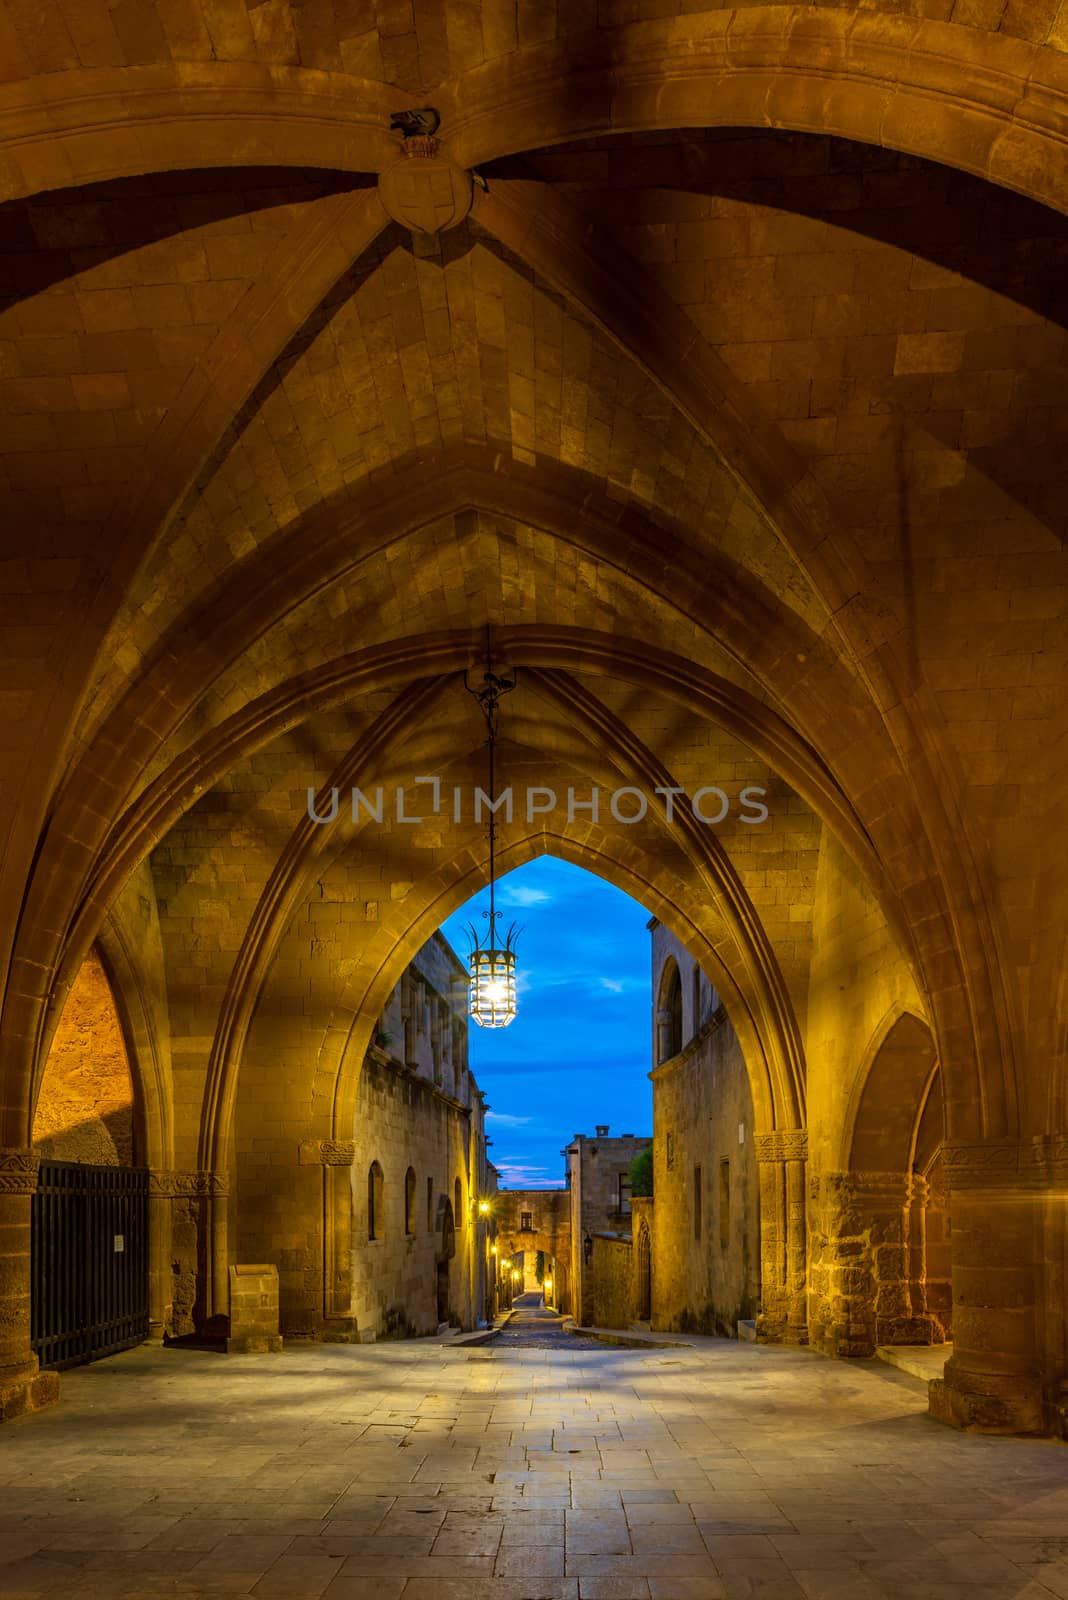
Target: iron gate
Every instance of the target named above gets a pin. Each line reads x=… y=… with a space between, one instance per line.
x=89 y=1262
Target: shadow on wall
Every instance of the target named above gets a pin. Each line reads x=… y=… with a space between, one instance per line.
x=85 y=1110
x=51 y=237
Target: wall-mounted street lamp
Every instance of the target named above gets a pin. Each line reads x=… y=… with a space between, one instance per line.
x=587 y=1249
x=483 y=1208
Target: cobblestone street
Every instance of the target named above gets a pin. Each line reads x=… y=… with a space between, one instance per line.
x=533 y=1471
x=533 y=1327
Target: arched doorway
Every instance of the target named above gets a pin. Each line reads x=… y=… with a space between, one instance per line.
x=445 y=1254
x=90 y=1216
x=881 y=1240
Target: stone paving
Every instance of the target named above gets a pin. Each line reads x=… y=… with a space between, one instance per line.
x=416 y=1471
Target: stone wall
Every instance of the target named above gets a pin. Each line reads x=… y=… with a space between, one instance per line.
x=85 y=1111
x=403 y=1123
x=597 y=1166
x=609 y=1296
x=424 y=1022
x=706 y=1222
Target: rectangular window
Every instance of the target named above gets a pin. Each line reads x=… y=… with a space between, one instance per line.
x=697 y=1202
x=724 y=1203
x=430 y=1205
x=526 y=1222
x=624 y=1194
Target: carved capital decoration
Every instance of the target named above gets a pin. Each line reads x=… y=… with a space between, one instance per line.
x=1036 y=1164
x=18 y=1171
x=785 y=1144
x=327 y=1152
x=185 y=1185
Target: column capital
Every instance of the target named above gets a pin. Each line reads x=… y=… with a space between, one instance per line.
x=783 y=1144
x=1034 y=1164
x=18 y=1170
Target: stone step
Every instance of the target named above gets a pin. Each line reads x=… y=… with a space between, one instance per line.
x=924 y=1361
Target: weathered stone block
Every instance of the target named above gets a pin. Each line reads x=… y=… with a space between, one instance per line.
x=253 y=1310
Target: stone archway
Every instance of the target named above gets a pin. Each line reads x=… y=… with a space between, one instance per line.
x=868 y=1269
x=873 y=77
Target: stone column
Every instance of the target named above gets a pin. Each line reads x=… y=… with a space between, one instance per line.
x=335 y=1157
x=866 y=1268
x=993 y=1382
x=160 y=1256
x=23 y=1386
x=781 y=1158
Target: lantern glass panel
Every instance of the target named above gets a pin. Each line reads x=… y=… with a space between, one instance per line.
x=491 y=991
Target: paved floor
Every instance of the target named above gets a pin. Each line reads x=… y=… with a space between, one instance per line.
x=413 y=1470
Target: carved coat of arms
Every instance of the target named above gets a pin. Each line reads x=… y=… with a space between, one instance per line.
x=424 y=190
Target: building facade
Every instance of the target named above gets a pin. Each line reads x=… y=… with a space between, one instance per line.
x=598 y=1182
x=705 y=1212
x=419 y=1173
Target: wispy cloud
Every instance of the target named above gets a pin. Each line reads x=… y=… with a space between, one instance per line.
x=518 y=1175
x=518 y=895
x=507 y=1121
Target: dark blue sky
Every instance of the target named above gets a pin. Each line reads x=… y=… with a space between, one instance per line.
x=579 y=1049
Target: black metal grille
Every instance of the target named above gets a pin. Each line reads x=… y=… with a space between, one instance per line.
x=90 y=1293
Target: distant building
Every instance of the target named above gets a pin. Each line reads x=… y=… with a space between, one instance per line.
x=420 y=1245
x=703 y=1221
x=598 y=1176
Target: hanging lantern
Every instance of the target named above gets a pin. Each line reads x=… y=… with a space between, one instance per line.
x=491 y=989
x=491 y=965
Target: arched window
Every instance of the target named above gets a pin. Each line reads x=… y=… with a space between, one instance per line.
x=458 y=1203
x=696 y=1023
x=409 y=1200
x=375 y=1208
x=430 y=1205
x=669 y=1014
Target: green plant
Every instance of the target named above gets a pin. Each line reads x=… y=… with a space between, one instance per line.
x=382 y=1038
x=641 y=1173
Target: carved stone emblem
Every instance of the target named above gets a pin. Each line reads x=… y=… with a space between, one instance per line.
x=784 y=1144
x=424 y=190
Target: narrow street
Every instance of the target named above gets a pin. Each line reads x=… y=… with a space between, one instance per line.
x=534 y=1327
